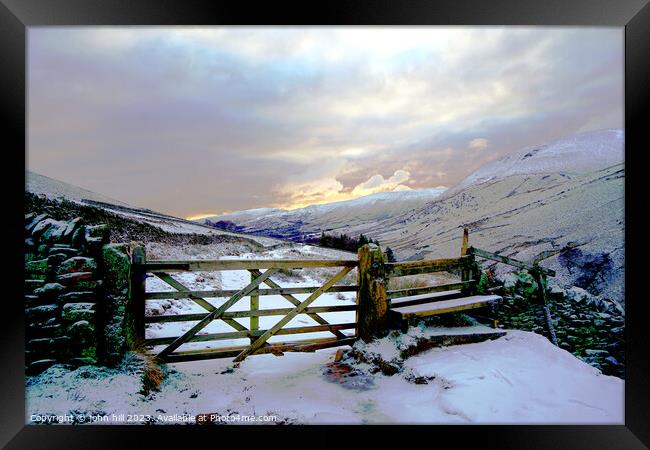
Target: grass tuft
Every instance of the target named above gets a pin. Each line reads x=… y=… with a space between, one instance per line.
x=152 y=376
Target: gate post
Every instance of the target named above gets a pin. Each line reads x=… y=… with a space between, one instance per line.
x=464 y=245
x=138 y=287
x=371 y=294
x=470 y=270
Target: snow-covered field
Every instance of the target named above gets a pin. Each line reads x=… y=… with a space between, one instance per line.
x=518 y=379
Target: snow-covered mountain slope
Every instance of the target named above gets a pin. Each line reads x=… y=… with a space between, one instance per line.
x=55 y=189
x=563 y=206
x=573 y=225
x=562 y=203
x=580 y=153
x=313 y=219
x=58 y=190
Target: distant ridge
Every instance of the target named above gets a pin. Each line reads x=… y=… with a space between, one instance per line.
x=55 y=189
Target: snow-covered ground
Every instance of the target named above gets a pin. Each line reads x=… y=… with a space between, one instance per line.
x=520 y=378
x=516 y=379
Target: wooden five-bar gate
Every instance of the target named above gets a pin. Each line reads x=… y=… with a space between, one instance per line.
x=376 y=308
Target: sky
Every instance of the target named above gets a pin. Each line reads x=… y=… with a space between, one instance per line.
x=197 y=121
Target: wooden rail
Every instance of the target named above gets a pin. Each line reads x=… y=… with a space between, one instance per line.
x=253 y=290
x=429 y=289
x=276 y=348
x=253 y=333
x=510 y=261
x=243 y=264
x=164 y=295
x=539 y=275
x=371 y=308
x=251 y=313
x=401 y=269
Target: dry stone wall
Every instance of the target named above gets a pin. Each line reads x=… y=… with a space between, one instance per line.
x=76 y=293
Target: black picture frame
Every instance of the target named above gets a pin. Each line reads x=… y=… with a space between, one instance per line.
x=634 y=15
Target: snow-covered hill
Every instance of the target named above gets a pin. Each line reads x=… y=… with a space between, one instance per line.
x=561 y=203
x=366 y=210
x=580 y=153
x=58 y=190
x=563 y=206
x=55 y=189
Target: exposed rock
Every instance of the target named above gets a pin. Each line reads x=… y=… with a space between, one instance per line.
x=78 y=297
x=77 y=264
x=40 y=226
x=37 y=267
x=68 y=278
x=42 y=312
x=81 y=330
x=96 y=236
x=73 y=225
x=590 y=270
x=49 y=290
x=30 y=244
x=31 y=220
x=577 y=294
x=39 y=366
x=54 y=232
x=31 y=285
x=348 y=376
x=74 y=312
x=79 y=237
x=67 y=252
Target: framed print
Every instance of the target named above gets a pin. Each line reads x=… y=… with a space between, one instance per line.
x=422 y=217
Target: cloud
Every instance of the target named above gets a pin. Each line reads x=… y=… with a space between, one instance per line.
x=378 y=183
x=160 y=116
x=329 y=189
x=478 y=144
x=298 y=195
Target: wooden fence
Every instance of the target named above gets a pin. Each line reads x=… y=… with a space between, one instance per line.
x=371 y=308
x=258 y=338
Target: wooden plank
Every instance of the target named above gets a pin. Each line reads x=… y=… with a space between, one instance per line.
x=463 y=247
x=254 y=307
x=425 y=298
x=447 y=306
x=198 y=300
x=372 y=315
x=428 y=289
x=243 y=264
x=258 y=313
x=541 y=283
x=510 y=261
x=309 y=346
x=138 y=289
x=254 y=334
x=282 y=322
x=295 y=302
x=216 y=313
x=228 y=292
x=401 y=269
